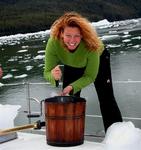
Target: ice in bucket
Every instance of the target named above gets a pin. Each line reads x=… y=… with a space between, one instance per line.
x=7 y=115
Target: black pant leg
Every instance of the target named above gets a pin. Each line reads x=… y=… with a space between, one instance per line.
x=103 y=84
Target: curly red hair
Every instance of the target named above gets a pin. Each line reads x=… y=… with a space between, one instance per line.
x=73 y=19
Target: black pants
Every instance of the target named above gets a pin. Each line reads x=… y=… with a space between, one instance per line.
x=103 y=84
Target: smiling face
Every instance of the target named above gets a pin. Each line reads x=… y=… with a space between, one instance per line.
x=71 y=37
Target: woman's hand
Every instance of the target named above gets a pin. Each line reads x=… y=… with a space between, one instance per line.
x=56 y=73
x=67 y=90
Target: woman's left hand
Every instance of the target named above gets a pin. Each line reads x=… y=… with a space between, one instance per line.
x=66 y=90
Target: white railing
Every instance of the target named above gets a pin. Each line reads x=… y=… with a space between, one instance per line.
x=37 y=114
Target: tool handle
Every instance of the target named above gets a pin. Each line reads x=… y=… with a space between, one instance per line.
x=36 y=125
x=18 y=128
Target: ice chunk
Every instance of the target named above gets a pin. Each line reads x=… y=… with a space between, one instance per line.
x=7 y=115
x=123 y=136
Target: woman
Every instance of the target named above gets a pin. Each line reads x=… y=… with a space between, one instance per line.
x=74 y=43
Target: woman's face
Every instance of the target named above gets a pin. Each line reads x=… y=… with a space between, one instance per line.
x=71 y=37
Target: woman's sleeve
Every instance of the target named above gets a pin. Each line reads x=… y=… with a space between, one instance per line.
x=50 y=61
x=91 y=70
x=90 y=73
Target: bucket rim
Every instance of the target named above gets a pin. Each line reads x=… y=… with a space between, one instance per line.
x=65 y=99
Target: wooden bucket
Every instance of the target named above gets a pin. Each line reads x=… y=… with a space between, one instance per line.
x=65 y=120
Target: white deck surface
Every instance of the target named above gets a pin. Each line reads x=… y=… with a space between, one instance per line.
x=28 y=141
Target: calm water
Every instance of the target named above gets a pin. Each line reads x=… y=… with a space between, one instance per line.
x=22 y=59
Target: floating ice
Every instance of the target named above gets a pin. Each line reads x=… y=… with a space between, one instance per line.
x=41 y=65
x=21 y=76
x=25 y=46
x=1 y=84
x=114 y=45
x=12 y=59
x=113 y=32
x=123 y=136
x=22 y=50
x=41 y=51
x=127 y=40
x=137 y=38
x=126 y=32
x=29 y=68
x=110 y=37
x=7 y=76
x=126 y=36
x=13 y=70
x=136 y=46
x=39 y=57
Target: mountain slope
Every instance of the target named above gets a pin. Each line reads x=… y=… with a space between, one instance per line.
x=35 y=15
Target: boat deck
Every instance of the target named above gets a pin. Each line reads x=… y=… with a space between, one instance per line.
x=31 y=141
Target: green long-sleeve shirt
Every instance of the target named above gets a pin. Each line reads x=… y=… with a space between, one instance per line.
x=56 y=54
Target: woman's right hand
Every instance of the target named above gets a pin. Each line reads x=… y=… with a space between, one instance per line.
x=56 y=73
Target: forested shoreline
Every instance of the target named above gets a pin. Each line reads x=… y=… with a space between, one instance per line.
x=23 y=16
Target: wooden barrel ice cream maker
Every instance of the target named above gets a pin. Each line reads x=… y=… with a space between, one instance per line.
x=65 y=120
